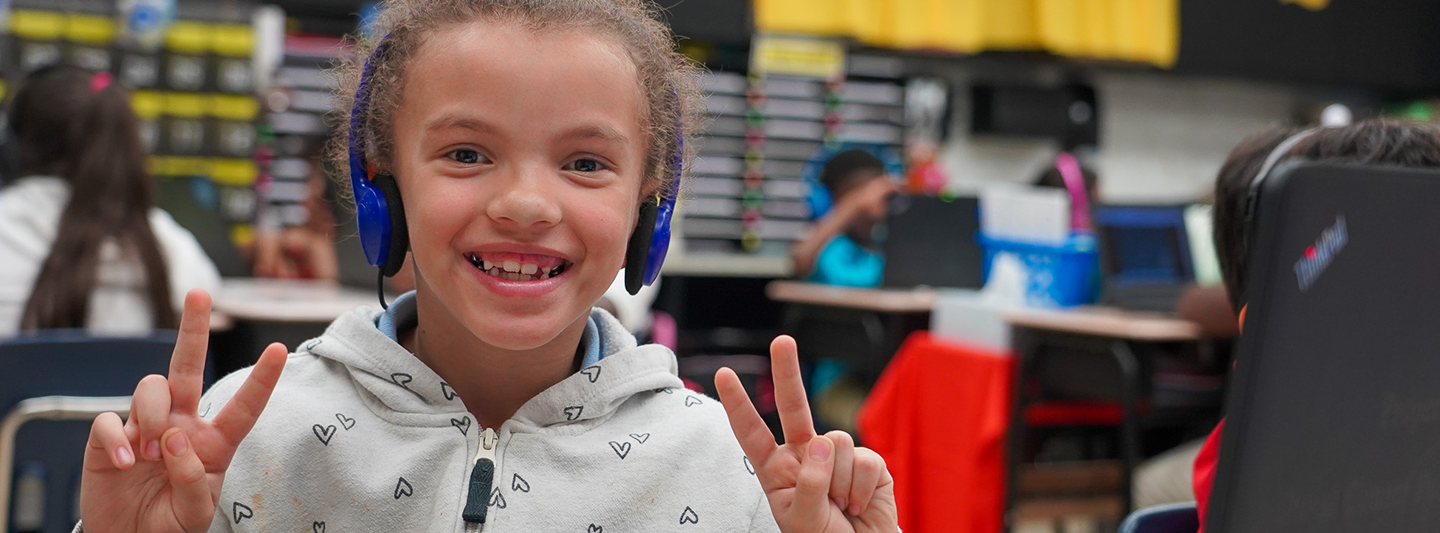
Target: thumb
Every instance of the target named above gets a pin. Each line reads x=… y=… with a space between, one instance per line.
x=812 y=486
x=190 y=490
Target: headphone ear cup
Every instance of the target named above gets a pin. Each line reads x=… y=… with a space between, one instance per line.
x=637 y=253
x=399 y=234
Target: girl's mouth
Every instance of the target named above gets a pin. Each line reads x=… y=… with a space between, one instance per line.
x=518 y=267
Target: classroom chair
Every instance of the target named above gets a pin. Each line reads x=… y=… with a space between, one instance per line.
x=1167 y=518
x=52 y=385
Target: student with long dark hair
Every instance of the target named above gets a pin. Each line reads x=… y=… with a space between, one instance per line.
x=80 y=239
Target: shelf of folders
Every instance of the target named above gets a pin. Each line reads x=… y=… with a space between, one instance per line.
x=747 y=195
x=193 y=93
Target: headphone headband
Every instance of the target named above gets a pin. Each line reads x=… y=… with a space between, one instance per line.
x=381 y=228
x=1270 y=161
x=1069 y=169
x=1252 y=197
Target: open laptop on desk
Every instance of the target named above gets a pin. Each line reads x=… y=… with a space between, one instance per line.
x=1334 y=408
x=1144 y=256
x=931 y=241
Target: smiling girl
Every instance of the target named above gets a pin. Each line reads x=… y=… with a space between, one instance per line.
x=529 y=141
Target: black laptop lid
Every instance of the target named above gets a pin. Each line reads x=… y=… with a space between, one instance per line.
x=931 y=241
x=1334 y=409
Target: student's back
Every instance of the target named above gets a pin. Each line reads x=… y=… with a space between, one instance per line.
x=79 y=236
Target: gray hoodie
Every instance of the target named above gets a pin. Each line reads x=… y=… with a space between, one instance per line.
x=360 y=435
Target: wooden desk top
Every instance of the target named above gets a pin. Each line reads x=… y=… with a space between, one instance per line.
x=288 y=301
x=1107 y=322
x=882 y=300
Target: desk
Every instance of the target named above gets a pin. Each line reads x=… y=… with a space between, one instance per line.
x=1110 y=330
x=288 y=301
x=727 y=265
x=878 y=300
x=261 y=311
x=841 y=322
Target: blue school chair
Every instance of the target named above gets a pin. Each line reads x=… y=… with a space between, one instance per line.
x=1167 y=518
x=52 y=385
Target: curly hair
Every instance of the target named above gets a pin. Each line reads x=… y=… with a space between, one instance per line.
x=668 y=81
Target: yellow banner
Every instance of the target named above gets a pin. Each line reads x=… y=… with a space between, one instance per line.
x=1130 y=30
x=797 y=56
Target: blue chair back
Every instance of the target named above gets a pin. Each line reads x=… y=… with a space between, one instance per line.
x=1167 y=518
x=48 y=454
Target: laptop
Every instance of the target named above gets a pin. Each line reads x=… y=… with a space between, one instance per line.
x=930 y=241
x=1334 y=406
x=1144 y=255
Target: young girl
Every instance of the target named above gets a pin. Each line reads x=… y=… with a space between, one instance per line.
x=523 y=137
x=82 y=243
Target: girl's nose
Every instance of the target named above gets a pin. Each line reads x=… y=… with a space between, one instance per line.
x=524 y=202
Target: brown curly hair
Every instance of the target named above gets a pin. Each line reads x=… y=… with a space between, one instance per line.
x=669 y=81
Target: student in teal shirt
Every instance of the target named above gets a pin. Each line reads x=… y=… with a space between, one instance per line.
x=839 y=249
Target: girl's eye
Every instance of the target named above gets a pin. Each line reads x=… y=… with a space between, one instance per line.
x=585 y=165
x=465 y=156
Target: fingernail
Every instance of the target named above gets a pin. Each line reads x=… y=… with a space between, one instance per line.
x=839 y=502
x=820 y=449
x=177 y=444
x=123 y=457
x=152 y=449
x=854 y=510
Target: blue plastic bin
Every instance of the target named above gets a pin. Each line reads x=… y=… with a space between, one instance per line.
x=1056 y=276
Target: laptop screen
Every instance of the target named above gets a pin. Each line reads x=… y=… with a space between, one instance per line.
x=1144 y=245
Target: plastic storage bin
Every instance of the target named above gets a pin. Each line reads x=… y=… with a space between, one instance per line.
x=1055 y=276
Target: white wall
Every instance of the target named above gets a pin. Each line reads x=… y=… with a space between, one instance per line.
x=1162 y=137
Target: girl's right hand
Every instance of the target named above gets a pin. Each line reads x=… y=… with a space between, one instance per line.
x=161 y=470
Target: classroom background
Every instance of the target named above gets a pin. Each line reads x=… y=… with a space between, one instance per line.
x=1016 y=372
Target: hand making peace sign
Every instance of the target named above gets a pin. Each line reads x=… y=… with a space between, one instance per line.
x=173 y=483
x=815 y=483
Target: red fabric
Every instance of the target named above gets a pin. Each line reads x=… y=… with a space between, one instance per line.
x=938 y=416
x=1050 y=414
x=1205 y=471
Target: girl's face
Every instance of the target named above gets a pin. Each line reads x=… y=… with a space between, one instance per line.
x=519 y=157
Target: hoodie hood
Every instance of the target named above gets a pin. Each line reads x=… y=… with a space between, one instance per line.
x=399 y=387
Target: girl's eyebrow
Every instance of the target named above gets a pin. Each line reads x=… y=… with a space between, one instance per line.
x=603 y=132
x=595 y=131
x=456 y=120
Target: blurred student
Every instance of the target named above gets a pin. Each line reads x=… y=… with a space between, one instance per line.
x=80 y=238
x=1372 y=142
x=840 y=249
x=305 y=251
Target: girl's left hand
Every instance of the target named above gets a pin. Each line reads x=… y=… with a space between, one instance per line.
x=815 y=483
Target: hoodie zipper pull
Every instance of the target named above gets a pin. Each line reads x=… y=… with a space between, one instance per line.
x=482 y=476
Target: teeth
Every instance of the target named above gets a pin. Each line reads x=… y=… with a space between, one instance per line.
x=514 y=270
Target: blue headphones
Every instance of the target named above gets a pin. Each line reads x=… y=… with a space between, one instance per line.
x=380 y=214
